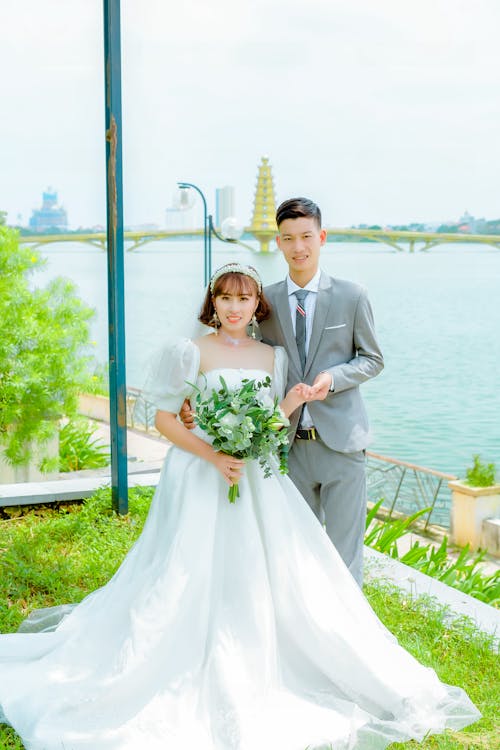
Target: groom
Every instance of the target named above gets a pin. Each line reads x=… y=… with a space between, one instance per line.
x=326 y=326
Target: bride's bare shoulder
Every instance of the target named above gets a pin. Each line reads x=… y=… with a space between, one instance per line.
x=264 y=348
x=204 y=341
x=266 y=353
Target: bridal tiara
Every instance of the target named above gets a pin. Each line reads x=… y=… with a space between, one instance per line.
x=236 y=268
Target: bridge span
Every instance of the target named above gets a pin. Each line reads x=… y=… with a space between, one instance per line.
x=399 y=240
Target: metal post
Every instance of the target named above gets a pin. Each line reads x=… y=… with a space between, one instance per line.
x=209 y=249
x=116 y=306
x=207 y=244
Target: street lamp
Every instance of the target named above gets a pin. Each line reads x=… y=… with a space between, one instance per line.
x=231 y=230
x=207 y=250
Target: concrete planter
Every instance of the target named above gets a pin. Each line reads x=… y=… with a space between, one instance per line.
x=471 y=507
x=30 y=472
x=94 y=407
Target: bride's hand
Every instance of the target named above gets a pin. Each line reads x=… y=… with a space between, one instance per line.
x=230 y=468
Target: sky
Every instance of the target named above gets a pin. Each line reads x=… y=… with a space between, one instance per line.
x=382 y=111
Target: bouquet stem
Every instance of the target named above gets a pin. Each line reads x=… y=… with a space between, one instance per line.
x=233 y=493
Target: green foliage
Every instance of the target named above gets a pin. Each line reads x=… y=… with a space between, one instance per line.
x=78 y=449
x=51 y=557
x=383 y=535
x=98 y=382
x=43 y=338
x=462 y=573
x=480 y=474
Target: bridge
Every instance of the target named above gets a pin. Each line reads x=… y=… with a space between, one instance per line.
x=399 y=240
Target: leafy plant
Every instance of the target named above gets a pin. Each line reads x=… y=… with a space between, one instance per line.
x=462 y=573
x=480 y=474
x=78 y=449
x=43 y=362
x=98 y=382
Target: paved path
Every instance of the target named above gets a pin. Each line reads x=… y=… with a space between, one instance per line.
x=141 y=446
x=379 y=566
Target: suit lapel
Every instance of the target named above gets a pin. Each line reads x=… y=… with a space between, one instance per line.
x=283 y=315
x=320 y=313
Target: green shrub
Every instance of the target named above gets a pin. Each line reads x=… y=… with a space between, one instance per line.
x=480 y=475
x=44 y=335
x=98 y=384
x=78 y=449
x=462 y=573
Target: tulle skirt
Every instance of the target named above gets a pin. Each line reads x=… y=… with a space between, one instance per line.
x=227 y=627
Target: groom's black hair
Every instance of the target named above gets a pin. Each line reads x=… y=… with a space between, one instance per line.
x=294 y=208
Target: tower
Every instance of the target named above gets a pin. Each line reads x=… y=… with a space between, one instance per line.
x=224 y=204
x=263 y=224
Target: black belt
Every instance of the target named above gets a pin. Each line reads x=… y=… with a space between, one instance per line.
x=310 y=434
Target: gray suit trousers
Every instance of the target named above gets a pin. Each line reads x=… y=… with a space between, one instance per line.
x=334 y=485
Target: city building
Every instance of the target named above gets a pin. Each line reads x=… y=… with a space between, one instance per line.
x=50 y=216
x=179 y=218
x=224 y=204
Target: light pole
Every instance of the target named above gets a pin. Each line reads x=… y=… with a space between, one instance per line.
x=230 y=229
x=207 y=220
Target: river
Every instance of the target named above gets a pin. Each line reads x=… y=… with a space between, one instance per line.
x=437 y=314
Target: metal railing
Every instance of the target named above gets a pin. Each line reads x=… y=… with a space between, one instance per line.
x=407 y=488
x=140 y=412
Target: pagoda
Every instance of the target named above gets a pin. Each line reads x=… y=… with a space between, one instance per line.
x=263 y=224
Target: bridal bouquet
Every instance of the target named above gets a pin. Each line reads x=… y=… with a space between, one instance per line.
x=245 y=423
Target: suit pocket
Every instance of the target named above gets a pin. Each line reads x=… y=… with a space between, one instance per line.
x=333 y=328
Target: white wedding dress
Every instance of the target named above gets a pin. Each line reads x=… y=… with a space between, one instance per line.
x=227 y=627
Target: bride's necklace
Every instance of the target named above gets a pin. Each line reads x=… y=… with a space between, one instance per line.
x=230 y=341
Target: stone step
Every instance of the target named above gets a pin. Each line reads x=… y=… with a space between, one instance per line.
x=31 y=493
x=490 y=535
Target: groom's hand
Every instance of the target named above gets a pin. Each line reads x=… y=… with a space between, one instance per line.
x=186 y=415
x=321 y=386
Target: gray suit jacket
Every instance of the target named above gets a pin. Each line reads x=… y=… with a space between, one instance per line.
x=343 y=343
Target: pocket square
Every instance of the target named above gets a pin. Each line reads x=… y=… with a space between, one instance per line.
x=330 y=328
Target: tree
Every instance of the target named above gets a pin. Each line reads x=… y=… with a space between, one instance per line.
x=44 y=345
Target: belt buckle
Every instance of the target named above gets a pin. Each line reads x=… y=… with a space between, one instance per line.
x=310 y=433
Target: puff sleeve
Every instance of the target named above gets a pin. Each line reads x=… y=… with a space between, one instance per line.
x=170 y=374
x=280 y=373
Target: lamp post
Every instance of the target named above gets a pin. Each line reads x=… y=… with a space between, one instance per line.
x=207 y=249
x=230 y=229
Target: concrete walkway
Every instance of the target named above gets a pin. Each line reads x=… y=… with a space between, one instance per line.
x=141 y=446
x=379 y=566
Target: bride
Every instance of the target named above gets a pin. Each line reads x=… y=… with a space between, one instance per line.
x=227 y=627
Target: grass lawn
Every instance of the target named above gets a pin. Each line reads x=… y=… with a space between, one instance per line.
x=55 y=556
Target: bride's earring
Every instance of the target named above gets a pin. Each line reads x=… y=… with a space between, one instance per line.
x=216 y=322
x=254 y=325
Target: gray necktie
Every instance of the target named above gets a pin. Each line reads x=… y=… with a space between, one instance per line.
x=300 y=325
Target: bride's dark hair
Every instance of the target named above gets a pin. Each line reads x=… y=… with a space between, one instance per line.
x=233 y=283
